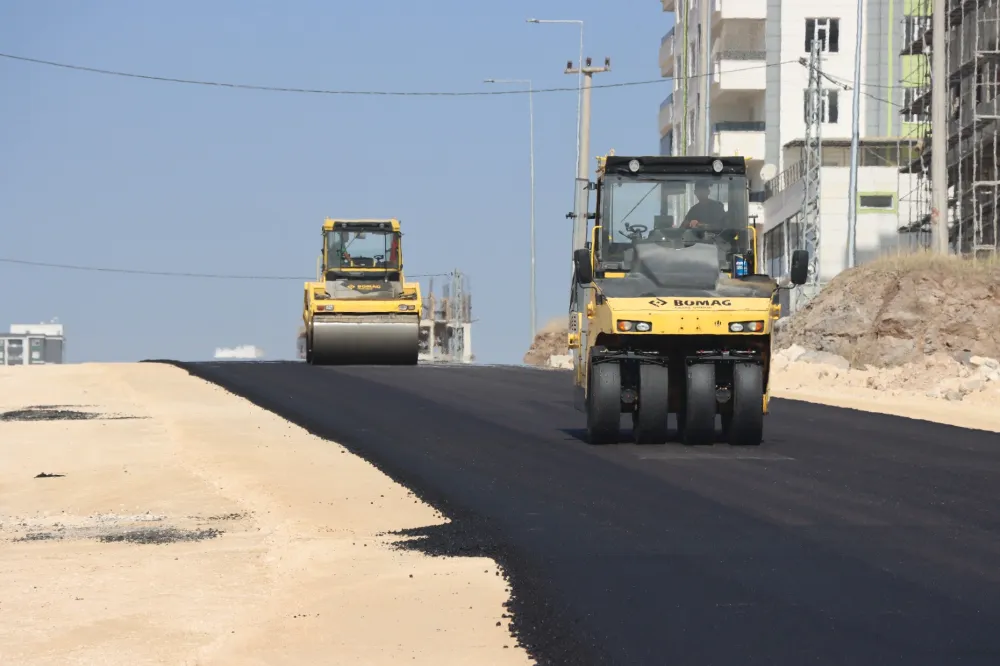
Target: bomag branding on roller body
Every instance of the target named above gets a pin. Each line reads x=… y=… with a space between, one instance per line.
x=360 y=310
x=669 y=313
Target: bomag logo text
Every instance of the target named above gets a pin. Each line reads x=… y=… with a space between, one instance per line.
x=703 y=303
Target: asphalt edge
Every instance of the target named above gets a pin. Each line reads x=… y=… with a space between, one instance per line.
x=549 y=638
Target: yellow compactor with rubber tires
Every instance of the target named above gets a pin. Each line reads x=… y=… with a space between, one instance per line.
x=361 y=310
x=669 y=313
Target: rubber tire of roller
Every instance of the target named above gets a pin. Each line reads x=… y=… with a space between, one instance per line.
x=604 y=403
x=699 y=405
x=649 y=422
x=746 y=428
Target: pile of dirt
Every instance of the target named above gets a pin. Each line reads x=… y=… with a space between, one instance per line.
x=903 y=309
x=550 y=341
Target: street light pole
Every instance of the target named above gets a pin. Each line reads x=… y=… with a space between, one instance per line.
x=852 y=189
x=579 y=84
x=531 y=157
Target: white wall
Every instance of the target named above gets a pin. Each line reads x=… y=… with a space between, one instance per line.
x=876 y=233
x=783 y=205
x=795 y=77
x=739 y=9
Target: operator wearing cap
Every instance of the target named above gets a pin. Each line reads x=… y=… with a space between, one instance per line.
x=706 y=213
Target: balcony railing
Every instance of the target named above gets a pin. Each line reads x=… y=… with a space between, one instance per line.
x=785 y=179
x=740 y=54
x=668 y=101
x=740 y=126
x=670 y=33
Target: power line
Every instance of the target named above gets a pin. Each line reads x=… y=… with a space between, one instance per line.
x=843 y=85
x=213 y=276
x=319 y=91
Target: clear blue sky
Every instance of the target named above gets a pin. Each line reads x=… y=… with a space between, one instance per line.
x=120 y=172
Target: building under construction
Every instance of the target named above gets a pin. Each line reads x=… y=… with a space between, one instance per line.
x=446 y=322
x=973 y=66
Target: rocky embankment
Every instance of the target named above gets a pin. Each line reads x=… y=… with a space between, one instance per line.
x=550 y=350
x=914 y=324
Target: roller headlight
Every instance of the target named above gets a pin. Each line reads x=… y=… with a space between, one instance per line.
x=406 y=306
x=746 y=327
x=717 y=166
x=626 y=326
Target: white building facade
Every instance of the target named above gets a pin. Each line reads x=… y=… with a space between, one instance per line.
x=757 y=109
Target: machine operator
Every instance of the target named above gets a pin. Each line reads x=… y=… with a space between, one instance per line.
x=707 y=213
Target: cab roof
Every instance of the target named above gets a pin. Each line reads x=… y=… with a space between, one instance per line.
x=662 y=164
x=329 y=224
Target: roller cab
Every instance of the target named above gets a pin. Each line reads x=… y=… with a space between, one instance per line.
x=669 y=314
x=361 y=310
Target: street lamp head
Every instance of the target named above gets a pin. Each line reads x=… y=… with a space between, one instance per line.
x=489 y=80
x=534 y=20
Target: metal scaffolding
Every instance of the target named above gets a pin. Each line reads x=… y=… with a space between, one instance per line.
x=973 y=64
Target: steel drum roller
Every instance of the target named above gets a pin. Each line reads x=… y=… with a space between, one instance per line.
x=388 y=339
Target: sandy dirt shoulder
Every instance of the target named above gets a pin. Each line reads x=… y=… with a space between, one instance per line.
x=828 y=385
x=192 y=527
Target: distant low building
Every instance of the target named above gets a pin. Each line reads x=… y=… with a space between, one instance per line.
x=240 y=352
x=33 y=344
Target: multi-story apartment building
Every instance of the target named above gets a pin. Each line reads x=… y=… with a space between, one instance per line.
x=757 y=106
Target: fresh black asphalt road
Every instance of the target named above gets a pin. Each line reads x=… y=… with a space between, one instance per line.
x=847 y=538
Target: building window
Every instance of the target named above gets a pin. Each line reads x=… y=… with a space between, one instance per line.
x=829 y=109
x=910 y=96
x=824 y=30
x=877 y=202
x=774 y=250
x=914 y=29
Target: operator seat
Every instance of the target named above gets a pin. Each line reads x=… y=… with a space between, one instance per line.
x=661 y=225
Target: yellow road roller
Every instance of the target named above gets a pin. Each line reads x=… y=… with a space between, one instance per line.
x=360 y=310
x=671 y=310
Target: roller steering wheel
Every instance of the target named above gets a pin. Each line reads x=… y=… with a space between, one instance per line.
x=634 y=230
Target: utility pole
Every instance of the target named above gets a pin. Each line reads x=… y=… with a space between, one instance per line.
x=852 y=189
x=813 y=162
x=939 y=129
x=580 y=201
x=706 y=74
x=582 y=179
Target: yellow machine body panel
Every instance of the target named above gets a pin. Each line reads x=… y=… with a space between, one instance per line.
x=684 y=316
x=360 y=309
